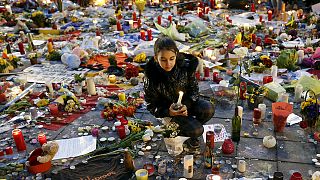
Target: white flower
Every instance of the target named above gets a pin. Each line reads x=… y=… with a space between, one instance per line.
x=241 y=52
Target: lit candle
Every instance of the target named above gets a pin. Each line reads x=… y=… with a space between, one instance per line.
x=263 y=108
x=53 y=109
x=143 y=35
x=180 y=97
x=216 y=177
x=19 y=139
x=134 y=16
x=188 y=166
x=149 y=34
x=269 y=15
x=297 y=92
x=122 y=97
x=159 y=20
x=42 y=138
x=270 y=30
x=227 y=17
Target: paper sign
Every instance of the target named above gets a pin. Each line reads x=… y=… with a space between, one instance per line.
x=75 y=147
x=316 y=8
x=218 y=137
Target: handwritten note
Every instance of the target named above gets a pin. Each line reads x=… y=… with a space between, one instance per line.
x=75 y=147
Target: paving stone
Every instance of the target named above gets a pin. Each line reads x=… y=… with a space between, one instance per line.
x=293 y=133
x=258 y=168
x=287 y=168
x=295 y=151
x=253 y=149
x=264 y=129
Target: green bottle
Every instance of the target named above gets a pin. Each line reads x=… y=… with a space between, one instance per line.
x=236 y=126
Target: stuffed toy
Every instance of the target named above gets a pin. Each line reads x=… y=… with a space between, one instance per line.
x=49 y=150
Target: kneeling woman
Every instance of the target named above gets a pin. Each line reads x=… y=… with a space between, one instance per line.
x=165 y=75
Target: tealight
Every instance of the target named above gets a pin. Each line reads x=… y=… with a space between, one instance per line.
x=103 y=139
x=110 y=139
x=148 y=148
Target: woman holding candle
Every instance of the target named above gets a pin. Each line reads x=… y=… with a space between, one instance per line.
x=168 y=73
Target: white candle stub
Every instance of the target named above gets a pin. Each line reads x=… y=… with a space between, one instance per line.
x=180 y=97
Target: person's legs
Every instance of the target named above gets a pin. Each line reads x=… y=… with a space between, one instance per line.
x=199 y=112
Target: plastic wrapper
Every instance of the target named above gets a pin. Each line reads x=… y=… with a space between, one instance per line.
x=197 y=29
x=171 y=31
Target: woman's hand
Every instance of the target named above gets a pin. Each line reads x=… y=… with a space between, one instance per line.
x=180 y=112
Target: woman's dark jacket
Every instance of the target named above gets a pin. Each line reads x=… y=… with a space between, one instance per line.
x=162 y=88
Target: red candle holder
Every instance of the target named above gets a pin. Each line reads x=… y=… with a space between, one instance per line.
x=159 y=20
x=197 y=74
x=54 y=110
x=134 y=16
x=19 y=140
x=200 y=14
x=118 y=26
x=149 y=34
x=170 y=18
x=206 y=72
x=21 y=48
x=253 y=38
x=42 y=138
x=253 y=8
x=1 y=152
x=296 y=176
x=210 y=138
x=215 y=76
x=143 y=35
x=256 y=116
x=121 y=132
x=206 y=10
x=260 y=18
x=9 y=150
x=259 y=41
x=139 y=22
x=212 y=4
x=267 y=79
x=269 y=15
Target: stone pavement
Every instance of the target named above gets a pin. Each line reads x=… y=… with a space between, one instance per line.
x=292 y=153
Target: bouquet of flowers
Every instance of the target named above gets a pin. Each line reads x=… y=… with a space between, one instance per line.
x=310 y=111
x=171 y=130
x=38 y=18
x=5 y=66
x=255 y=96
x=113 y=109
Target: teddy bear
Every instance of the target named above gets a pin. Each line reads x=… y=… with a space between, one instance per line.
x=49 y=150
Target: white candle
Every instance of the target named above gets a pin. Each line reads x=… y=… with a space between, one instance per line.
x=175 y=10
x=91 y=87
x=188 y=166
x=300 y=56
x=274 y=72
x=180 y=97
x=263 y=109
x=240 y=112
x=285 y=97
x=200 y=67
x=8 y=7
x=308 y=41
x=242 y=166
x=297 y=92
x=131 y=24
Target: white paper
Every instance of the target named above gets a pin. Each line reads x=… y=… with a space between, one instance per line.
x=316 y=8
x=75 y=147
x=293 y=119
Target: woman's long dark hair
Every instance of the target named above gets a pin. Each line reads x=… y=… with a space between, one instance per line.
x=165 y=43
